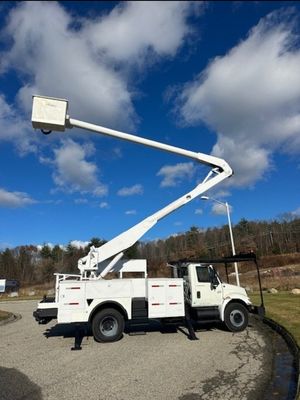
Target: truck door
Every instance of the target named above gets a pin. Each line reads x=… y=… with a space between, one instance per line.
x=206 y=289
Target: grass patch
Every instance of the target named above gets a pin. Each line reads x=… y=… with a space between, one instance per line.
x=283 y=308
x=4 y=315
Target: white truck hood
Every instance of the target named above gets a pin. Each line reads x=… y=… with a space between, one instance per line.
x=233 y=291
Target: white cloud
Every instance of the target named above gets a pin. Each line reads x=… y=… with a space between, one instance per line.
x=55 y=59
x=220 y=209
x=136 y=30
x=49 y=244
x=103 y=204
x=221 y=193
x=130 y=212
x=58 y=61
x=14 y=129
x=73 y=172
x=198 y=211
x=177 y=223
x=172 y=235
x=14 y=199
x=251 y=98
x=75 y=243
x=79 y=243
x=174 y=174
x=130 y=191
x=100 y=190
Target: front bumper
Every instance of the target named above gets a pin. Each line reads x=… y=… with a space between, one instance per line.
x=258 y=310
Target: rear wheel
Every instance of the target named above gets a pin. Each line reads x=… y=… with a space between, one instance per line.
x=236 y=317
x=108 y=325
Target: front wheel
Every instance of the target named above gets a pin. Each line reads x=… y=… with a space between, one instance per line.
x=108 y=325
x=236 y=317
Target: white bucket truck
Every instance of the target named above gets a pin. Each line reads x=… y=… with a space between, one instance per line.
x=107 y=303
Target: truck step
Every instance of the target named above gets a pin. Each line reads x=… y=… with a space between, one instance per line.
x=138 y=333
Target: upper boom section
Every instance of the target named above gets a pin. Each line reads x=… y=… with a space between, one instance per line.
x=51 y=114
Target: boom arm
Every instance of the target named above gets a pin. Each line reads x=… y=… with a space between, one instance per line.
x=49 y=113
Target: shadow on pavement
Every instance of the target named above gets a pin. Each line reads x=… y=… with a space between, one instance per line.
x=15 y=385
x=135 y=327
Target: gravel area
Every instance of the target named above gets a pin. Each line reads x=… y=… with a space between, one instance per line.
x=220 y=365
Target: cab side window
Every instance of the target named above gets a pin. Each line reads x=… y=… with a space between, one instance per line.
x=203 y=274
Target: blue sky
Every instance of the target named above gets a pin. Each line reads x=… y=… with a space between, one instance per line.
x=214 y=77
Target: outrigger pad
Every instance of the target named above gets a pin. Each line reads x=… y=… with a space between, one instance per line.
x=192 y=335
x=78 y=338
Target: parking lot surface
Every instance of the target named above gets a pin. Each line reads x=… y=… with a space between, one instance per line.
x=167 y=366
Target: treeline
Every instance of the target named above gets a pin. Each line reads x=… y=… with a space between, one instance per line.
x=30 y=264
x=262 y=237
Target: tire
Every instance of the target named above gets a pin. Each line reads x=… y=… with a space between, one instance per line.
x=108 y=325
x=236 y=317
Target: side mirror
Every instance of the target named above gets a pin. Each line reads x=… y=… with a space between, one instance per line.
x=214 y=281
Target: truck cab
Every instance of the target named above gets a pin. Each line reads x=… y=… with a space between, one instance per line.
x=209 y=299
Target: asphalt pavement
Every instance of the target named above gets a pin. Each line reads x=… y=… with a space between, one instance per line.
x=36 y=362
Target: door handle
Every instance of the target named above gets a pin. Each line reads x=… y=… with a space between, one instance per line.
x=198 y=294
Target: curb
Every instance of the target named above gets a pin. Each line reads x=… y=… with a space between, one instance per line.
x=12 y=318
x=291 y=343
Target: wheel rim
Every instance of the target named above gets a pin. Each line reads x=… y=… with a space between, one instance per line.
x=109 y=326
x=237 y=318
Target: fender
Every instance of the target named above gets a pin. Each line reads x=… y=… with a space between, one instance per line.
x=244 y=300
x=119 y=304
